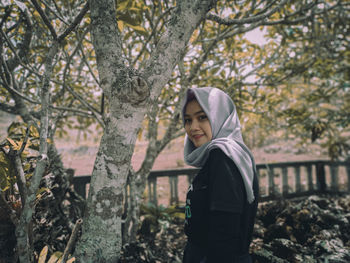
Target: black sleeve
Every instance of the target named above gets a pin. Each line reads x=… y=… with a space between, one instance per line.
x=226 y=188
x=223 y=239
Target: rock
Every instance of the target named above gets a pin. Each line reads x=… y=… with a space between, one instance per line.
x=303 y=230
x=266 y=256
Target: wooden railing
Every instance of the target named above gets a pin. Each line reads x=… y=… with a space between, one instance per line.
x=276 y=180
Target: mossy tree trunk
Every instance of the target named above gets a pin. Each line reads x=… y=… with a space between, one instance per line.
x=129 y=94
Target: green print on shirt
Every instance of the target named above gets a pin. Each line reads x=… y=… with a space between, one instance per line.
x=188 y=211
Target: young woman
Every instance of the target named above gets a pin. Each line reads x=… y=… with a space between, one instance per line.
x=221 y=202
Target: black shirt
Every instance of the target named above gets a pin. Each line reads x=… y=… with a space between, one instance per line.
x=219 y=219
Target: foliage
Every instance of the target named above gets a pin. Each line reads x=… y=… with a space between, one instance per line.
x=17 y=135
x=298 y=83
x=307 y=86
x=56 y=257
x=52 y=215
x=312 y=51
x=155 y=218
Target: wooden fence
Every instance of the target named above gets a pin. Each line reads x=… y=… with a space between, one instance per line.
x=276 y=180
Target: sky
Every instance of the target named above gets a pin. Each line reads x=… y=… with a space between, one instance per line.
x=256 y=36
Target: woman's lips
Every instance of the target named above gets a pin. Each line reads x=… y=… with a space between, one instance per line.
x=196 y=137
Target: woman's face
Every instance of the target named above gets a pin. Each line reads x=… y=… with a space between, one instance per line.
x=197 y=124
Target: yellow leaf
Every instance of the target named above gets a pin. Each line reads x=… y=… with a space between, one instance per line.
x=55 y=257
x=15 y=145
x=329 y=106
x=134 y=9
x=40 y=59
x=71 y=260
x=122 y=5
x=180 y=215
x=42 y=189
x=43 y=254
x=139 y=135
x=26 y=166
x=120 y=26
x=138 y=29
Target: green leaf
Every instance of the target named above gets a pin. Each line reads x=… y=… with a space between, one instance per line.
x=4 y=179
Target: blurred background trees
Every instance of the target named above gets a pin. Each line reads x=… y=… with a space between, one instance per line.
x=292 y=83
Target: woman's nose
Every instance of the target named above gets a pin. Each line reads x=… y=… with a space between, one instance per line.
x=194 y=125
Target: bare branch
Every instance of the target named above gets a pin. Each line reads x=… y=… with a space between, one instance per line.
x=45 y=19
x=76 y=21
x=14 y=62
x=25 y=45
x=81 y=38
x=59 y=15
x=21 y=95
x=25 y=140
x=71 y=240
x=173 y=42
x=286 y=21
x=22 y=231
x=154 y=31
x=228 y=21
x=68 y=63
x=20 y=177
x=85 y=113
x=57 y=8
x=94 y=111
x=6 y=15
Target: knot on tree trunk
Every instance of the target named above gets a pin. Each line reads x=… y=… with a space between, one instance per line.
x=138 y=91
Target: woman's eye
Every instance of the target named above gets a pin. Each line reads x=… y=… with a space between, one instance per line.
x=203 y=117
x=187 y=121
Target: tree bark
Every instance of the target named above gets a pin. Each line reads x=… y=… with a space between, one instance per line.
x=129 y=94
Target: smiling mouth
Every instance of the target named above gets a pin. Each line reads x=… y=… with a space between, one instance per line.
x=196 y=137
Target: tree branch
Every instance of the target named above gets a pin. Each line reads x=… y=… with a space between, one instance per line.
x=22 y=233
x=228 y=21
x=45 y=19
x=94 y=111
x=81 y=38
x=76 y=21
x=286 y=21
x=21 y=95
x=71 y=240
x=154 y=30
x=8 y=108
x=6 y=15
x=24 y=46
x=173 y=42
x=108 y=46
x=59 y=15
x=20 y=177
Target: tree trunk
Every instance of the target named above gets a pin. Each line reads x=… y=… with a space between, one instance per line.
x=129 y=94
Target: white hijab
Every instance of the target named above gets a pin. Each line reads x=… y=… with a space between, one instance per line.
x=227 y=136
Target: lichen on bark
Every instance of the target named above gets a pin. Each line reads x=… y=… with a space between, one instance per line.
x=130 y=94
